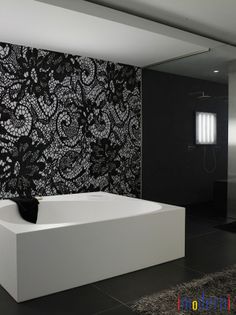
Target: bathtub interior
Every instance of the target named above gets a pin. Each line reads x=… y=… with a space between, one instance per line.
x=63 y=210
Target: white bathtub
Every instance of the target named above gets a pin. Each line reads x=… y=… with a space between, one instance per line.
x=83 y=238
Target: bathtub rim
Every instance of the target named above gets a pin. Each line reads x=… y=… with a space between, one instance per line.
x=19 y=228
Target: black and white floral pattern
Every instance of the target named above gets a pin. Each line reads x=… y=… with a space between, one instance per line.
x=68 y=124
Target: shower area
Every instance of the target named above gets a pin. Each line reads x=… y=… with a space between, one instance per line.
x=189 y=174
x=209 y=138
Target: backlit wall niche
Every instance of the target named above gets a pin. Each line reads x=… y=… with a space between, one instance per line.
x=206 y=128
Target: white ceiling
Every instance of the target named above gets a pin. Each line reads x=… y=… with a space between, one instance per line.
x=84 y=28
x=202 y=66
x=212 y=18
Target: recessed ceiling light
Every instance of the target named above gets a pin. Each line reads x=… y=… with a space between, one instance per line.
x=216 y=71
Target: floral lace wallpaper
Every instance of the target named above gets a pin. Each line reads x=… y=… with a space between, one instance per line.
x=68 y=124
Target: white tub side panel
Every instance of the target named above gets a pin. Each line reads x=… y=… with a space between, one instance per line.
x=59 y=259
x=8 y=261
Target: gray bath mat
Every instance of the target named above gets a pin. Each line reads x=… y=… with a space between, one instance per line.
x=211 y=295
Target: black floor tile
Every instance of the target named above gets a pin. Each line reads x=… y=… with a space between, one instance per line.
x=210 y=240
x=132 y=286
x=208 y=255
x=196 y=227
x=122 y=310
x=209 y=265
x=86 y=300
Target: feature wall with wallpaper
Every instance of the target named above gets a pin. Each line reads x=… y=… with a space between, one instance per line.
x=68 y=124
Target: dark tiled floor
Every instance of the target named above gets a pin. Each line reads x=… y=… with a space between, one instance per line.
x=207 y=250
x=132 y=286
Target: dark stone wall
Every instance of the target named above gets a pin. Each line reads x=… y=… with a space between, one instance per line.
x=174 y=169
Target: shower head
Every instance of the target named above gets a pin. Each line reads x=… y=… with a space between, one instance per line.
x=203 y=96
x=200 y=95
